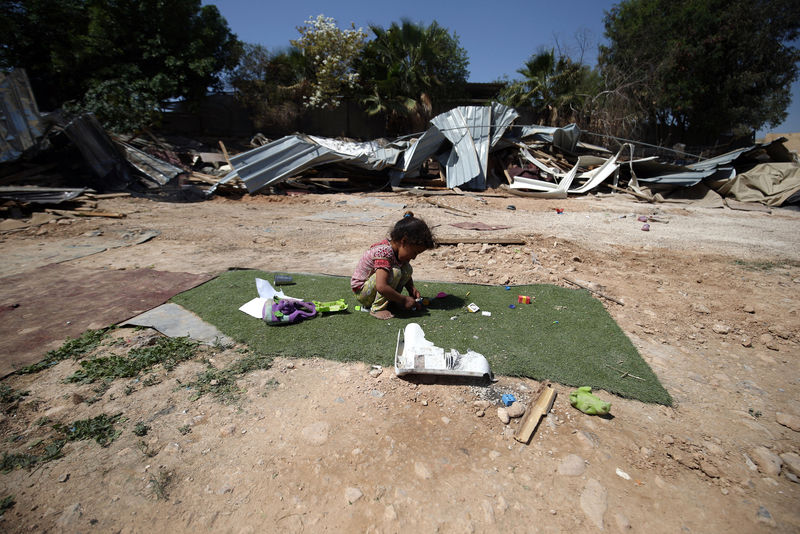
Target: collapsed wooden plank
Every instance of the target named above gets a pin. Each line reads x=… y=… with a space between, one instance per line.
x=481 y=240
x=534 y=415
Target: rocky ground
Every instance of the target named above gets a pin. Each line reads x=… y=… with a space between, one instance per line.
x=708 y=296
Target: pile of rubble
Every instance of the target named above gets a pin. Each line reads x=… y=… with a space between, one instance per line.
x=468 y=147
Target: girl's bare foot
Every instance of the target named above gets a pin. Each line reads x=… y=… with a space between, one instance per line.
x=382 y=314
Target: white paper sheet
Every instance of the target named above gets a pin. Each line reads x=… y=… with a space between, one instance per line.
x=266 y=294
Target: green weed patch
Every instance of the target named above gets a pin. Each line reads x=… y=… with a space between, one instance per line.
x=72 y=348
x=100 y=428
x=167 y=351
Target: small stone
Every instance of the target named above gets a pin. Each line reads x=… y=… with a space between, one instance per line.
x=482 y=404
x=352 y=495
x=480 y=413
x=763 y=516
x=227 y=431
x=488 y=512
x=572 y=465
x=225 y=489
x=709 y=469
x=594 y=502
x=516 y=410
x=622 y=522
x=389 y=513
x=748 y=308
x=791 y=461
x=780 y=331
x=422 y=471
x=76 y=398
x=375 y=373
x=701 y=308
x=669 y=440
x=721 y=328
x=64 y=477
x=747 y=342
x=494 y=455
x=289 y=365
x=316 y=434
x=767 y=461
x=70 y=516
x=445 y=420
x=502 y=414
x=502 y=504
x=622 y=474
x=788 y=420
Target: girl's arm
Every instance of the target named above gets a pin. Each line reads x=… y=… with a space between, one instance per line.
x=412 y=290
x=382 y=286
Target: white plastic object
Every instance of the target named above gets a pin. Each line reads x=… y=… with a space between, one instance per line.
x=416 y=355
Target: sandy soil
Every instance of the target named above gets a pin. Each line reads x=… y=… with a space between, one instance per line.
x=710 y=300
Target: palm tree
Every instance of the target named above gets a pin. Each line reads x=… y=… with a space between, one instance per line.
x=551 y=87
x=408 y=66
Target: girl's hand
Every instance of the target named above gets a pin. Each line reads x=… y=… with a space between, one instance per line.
x=415 y=294
x=409 y=303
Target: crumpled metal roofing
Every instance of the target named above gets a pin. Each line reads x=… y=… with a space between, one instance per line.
x=472 y=130
x=20 y=122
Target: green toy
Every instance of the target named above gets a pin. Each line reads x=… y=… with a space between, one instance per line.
x=330 y=306
x=583 y=400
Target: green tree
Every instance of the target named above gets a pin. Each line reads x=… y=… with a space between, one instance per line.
x=706 y=67
x=408 y=66
x=556 y=89
x=331 y=53
x=116 y=56
x=271 y=84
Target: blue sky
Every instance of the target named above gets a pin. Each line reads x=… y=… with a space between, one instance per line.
x=498 y=36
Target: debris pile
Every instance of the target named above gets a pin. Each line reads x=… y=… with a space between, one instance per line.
x=469 y=147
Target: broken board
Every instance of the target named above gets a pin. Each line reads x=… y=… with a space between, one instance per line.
x=534 y=415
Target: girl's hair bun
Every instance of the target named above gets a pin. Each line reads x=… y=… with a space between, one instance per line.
x=408 y=214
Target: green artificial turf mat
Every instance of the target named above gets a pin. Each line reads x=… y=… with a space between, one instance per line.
x=565 y=335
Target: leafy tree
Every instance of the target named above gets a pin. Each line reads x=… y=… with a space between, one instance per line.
x=409 y=66
x=555 y=88
x=332 y=53
x=270 y=84
x=116 y=56
x=706 y=67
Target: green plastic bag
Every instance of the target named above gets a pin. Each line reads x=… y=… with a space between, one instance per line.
x=583 y=400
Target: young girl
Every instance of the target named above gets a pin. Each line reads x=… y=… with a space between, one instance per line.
x=384 y=270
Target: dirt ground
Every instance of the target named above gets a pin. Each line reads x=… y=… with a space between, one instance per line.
x=710 y=299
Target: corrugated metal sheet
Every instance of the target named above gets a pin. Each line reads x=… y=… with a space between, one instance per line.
x=426 y=146
x=502 y=117
x=369 y=155
x=157 y=170
x=20 y=123
x=282 y=158
x=99 y=151
x=40 y=195
x=466 y=128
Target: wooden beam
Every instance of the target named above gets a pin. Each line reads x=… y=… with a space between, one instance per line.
x=535 y=414
x=598 y=293
x=481 y=240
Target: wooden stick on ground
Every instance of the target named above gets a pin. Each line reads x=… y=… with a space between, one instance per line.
x=625 y=373
x=447 y=207
x=225 y=153
x=535 y=414
x=598 y=293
